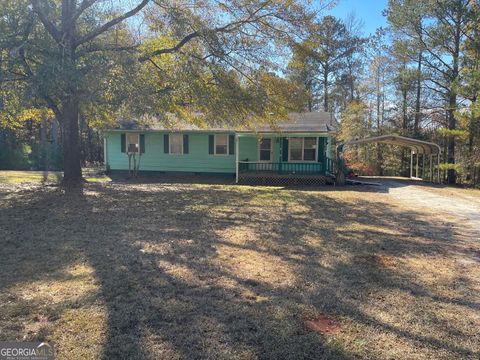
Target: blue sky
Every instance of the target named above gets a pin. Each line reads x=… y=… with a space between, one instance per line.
x=369 y=11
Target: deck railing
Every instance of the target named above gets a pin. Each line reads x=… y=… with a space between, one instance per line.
x=282 y=167
x=289 y=167
x=331 y=166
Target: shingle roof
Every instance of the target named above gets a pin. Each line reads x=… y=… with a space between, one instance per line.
x=317 y=121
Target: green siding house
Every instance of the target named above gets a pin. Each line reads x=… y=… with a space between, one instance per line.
x=297 y=148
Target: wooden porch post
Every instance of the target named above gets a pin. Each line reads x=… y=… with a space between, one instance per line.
x=236 y=158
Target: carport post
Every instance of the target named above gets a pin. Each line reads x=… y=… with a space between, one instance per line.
x=438 y=167
x=423 y=166
x=411 y=163
x=416 y=168
x=431 y=167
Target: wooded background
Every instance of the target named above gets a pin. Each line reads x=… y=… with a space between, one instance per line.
x=70 y=69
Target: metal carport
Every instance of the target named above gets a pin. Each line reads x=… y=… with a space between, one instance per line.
x=417 y=147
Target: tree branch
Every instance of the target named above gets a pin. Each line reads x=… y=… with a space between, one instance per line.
x=93 y=34
x=81 y=8
x=49 y=26
x=225 y=29
x=175 y=48
x=107 y=47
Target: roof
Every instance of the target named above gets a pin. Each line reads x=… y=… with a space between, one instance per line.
x=317 y=121
x=419 y=146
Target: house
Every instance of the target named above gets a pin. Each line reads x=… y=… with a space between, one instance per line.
x=294 y=150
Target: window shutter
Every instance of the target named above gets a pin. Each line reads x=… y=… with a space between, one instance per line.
x=185 y=144
x=321 y=149
x=284 y=149
x=166 y=144
x=123 y=143
x=211 y=144
x=231 y=144
x=142 y=143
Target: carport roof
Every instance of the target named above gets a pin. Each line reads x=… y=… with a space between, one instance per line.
x=418 y=146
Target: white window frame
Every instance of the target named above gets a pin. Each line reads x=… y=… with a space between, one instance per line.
x=170 y=144
x=215 y=144
x=303 y=148
x=127 y=143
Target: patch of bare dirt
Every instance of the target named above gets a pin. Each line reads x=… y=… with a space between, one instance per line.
x=323 y=324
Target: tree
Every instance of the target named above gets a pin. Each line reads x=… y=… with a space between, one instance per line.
x=321 y=59
x=440 y=31
x=407 y=19
x=64 y=50
x=469 y=89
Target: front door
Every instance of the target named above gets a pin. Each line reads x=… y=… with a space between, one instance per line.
x=265 y=154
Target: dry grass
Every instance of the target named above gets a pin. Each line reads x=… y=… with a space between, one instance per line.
x=166 y=271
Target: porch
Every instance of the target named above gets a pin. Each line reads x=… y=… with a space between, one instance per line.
x=286 y=159
x=279 y=173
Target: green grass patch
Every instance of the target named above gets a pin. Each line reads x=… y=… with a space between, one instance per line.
x=97 y=179
x=18 y=177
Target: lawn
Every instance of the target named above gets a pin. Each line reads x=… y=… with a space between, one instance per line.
x=183 y=271
x=50 y=177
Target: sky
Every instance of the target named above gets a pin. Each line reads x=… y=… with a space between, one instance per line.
x=369 y=11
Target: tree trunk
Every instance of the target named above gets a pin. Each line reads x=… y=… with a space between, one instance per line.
x=416 y=124
x=405 y=160
x=325 y=89
x=72 y=171
x=452 y=104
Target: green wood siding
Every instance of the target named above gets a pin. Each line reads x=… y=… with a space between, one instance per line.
x=155 y=159
x=197 y=159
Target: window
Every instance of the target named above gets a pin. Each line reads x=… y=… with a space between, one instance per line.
x=265 y=150
x=221 y=144
x=309 y=148
x=176 y=144
x=133 y=143
x=296 y=145
x=302 y=149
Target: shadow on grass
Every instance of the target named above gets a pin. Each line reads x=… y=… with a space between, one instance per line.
x=191 y=271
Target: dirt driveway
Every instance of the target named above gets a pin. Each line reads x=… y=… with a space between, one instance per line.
x=451 y=202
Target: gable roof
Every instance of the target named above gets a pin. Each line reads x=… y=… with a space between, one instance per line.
x=315 y=121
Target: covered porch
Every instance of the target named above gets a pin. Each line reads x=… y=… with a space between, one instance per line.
x=283 y=158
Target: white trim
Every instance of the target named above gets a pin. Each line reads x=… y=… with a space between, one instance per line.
x=303 y=148
x=170 y=143
x=259 y=149
x=215 y=144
